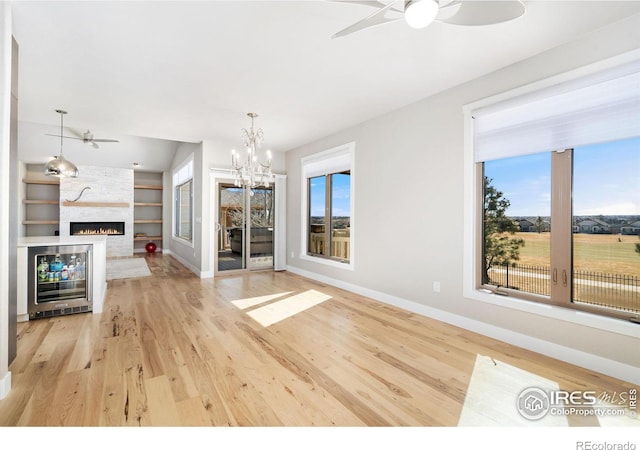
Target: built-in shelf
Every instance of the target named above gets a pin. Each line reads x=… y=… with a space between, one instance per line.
x=148 y=208
x=148 y=186
x=40 y=202
x=41 y=210
x=97 y=204
x=38 y=181
x=147 y=204
x=40 y=222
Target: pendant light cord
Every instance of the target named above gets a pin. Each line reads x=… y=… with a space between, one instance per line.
x=61 y=128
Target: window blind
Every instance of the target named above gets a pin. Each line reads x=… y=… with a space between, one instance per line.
x=326 y=164
x=599 y=107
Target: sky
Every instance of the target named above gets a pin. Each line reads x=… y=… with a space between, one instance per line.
x=341 y=196
x=606 y=180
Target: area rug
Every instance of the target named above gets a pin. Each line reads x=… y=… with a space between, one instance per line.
x=492 y=394
x=127 y=268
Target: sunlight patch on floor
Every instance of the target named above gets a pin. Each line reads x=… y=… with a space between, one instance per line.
x=253 y=301
x=492 y=395
x=275 y=312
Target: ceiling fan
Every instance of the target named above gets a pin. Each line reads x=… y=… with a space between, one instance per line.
x=86 y=137
x=420 y=13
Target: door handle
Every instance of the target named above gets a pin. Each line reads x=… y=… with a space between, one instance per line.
x=564 y=278
x=555 y=276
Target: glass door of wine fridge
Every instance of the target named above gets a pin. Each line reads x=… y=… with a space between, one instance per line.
x=59 y=280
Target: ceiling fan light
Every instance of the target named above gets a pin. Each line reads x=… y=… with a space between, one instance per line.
x=60 y=167
x=420 y=13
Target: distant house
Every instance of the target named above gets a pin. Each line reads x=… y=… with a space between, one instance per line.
x=529 y=225
x=631 y=228
x=592 y=226
x=526 y=225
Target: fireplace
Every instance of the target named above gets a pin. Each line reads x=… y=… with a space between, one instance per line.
x=95 y=228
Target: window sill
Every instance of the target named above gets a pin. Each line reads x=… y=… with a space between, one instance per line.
x=618 y=326
x=328 y=262
x=183 y=241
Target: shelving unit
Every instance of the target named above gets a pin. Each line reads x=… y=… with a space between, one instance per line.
x=41 y=204
x=147 y=209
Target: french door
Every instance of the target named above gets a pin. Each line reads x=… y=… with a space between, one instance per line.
x=244 y=229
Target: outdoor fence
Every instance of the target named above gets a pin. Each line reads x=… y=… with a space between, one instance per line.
x=621 y=292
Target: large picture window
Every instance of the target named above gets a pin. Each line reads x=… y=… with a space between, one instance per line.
x=581 y=252
x=183 y=201
x=328 y=205
x=558 y=210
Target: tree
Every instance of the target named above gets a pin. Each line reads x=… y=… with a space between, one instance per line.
x=500 y=247
x=261 y=207
x=539 y=225
x=638 y=246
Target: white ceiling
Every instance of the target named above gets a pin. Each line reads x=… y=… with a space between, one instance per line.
x=190 y=71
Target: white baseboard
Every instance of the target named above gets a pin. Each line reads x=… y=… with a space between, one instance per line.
x=183 y=261
x=589 y=361
x=5 y=385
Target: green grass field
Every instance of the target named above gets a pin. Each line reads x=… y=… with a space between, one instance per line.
x=606 y=253
x=600 y=255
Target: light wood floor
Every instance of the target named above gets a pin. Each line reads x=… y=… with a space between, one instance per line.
x=173 y=350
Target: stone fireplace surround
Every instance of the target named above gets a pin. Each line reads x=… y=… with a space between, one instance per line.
x=109 y=199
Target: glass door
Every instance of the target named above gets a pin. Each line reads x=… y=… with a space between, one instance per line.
x=261 y=228
x=245 y=228
x=232 y=243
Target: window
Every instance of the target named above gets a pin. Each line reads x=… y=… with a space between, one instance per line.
x=184 y=206
x=330 y=215
x=328 y=206
x=558 y=194
x=593 y=265
x=183 y=200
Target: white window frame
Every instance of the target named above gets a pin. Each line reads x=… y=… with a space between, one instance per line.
x=315 y=162
x=181 y=174
x=472 y=203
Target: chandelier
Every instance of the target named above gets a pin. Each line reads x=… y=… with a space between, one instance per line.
x=251 y=173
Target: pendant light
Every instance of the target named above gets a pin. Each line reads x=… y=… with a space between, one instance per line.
x=58 y=166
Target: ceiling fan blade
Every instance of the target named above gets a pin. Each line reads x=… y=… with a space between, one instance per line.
x=480 y=12
x=104 y=140
x=372 y=3
x=377 y=18
x=66 y=137
x=94 y=145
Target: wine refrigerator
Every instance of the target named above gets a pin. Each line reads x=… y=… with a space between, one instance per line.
x=59 y=280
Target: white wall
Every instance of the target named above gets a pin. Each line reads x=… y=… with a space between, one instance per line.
x=409 y=212
x=5 y=106
x=188 y=254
